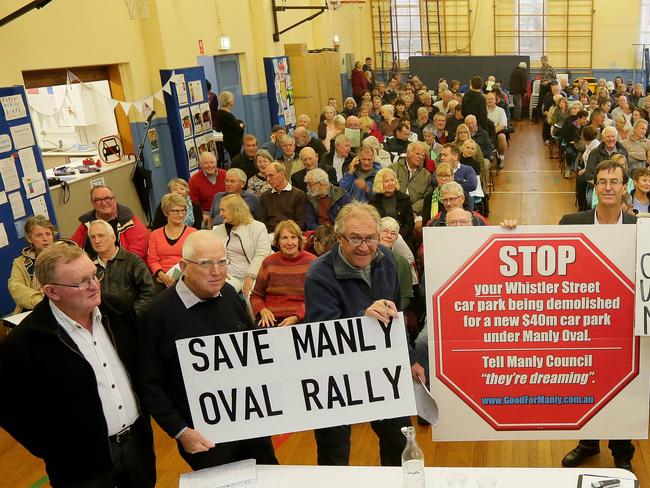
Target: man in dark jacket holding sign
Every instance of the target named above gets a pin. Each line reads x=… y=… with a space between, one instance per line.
x=356 y=277
x=200 y=304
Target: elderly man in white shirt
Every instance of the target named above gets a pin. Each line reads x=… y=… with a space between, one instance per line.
x=498 y=116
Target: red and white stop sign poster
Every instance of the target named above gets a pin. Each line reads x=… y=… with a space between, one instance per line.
x=531 y=333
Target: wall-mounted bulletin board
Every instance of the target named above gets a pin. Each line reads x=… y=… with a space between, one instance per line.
x=23 y=191
x=188 y=115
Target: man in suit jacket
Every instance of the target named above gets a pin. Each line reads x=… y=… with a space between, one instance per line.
x=610 y=184
x=309 y=159
x=340 y=158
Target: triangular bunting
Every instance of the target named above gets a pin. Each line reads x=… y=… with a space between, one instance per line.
x=167 y=88
x=126 y=106
x=160 y=96
x=138 y=105
x=112 y=103
x=147 y=107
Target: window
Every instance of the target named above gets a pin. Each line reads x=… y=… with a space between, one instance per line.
x=644 y=31
x=405 y=28
x=561 y=29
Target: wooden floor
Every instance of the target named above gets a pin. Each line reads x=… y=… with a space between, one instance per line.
x=530 y=189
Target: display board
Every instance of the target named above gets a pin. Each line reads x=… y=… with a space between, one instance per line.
x=279 y=89
x=462 y=68
x=24 y=191
x=532 y=333
x=188 y=115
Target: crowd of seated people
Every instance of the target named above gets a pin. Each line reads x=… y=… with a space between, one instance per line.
x=274 y=208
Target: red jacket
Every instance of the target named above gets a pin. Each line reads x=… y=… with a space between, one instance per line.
x=359 y=82
x=131 y=233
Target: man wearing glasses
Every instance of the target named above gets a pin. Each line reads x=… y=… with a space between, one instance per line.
x=130 y=232
x=356 y=277
x=68 y=391
x=201 y=303
x=610 y=185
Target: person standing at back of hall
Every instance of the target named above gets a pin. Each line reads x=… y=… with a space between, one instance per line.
x=474 y=102
x=610 y=184
x=230 y=126
x=546 y=75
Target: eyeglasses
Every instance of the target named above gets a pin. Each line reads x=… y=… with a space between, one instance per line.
x=450 y=199
x=98 y=201
x=210 y=263
x=85 y=284
x=356 y=241
x=178 y=211
x=456 y=223
x=615 y=183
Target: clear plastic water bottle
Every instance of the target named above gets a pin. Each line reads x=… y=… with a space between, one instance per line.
x=412 y=461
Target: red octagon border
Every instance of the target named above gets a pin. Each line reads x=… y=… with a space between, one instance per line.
x=476 y=407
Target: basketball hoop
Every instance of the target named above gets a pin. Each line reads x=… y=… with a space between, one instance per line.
x=138 y=9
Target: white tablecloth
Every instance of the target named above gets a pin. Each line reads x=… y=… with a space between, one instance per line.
x=380 y=477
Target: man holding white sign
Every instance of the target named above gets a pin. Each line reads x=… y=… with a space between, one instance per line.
x=200 y=304
x=356 y=277
x=610 y=183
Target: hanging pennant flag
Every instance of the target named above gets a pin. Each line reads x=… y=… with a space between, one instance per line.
x=112 y=103
x=160 y=96
x=138 y=105
x=126 y=106
x=167 y=88
x=147 y=107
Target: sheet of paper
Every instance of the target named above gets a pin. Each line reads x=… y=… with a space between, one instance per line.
x=425 y=403
x=34 y=185
x=181 y=89
x=225 y=475
x=175 y=272
x=3 y=197
x=39 y=207
x=354 y=135
x=17 y=206
x=22 y=135
x=16 y=318
x=9 y=174
x=4 y=240
x=14 y=107
x=5 y=143
x=28 y=161
x=586 y=480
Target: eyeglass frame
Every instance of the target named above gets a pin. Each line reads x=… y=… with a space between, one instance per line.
x=614 y=183
x=209 y=263
x=85 y=284
x=97 y=201
x=369 y=241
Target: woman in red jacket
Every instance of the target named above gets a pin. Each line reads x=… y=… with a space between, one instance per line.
x=166 y=243
x=359 y=82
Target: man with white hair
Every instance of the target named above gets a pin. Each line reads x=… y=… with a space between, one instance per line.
x=340 y=158
x=127 y=282
x=186 y=310
x=518 y=87
x=324 y=200
x=480 y=135
x=235 y=184
x=637 y=146
x=442 y=104
x=304 y=139
x=605 y=150
x=411 y=175
x=309 y=159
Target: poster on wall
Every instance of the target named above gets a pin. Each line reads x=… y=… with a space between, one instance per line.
x=192 y=155
x=196 y=91
x=205 y=116
x=197 y=119
x=186 y=122
x=152 y=135
x=181 y=89
x=531 y=333
x=280 y=91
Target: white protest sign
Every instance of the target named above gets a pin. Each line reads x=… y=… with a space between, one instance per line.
x=642 y=304
x=531 y=333
x=271 y=381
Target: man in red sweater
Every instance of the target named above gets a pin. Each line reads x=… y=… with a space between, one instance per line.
x=206 y=183
x=130 y=232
